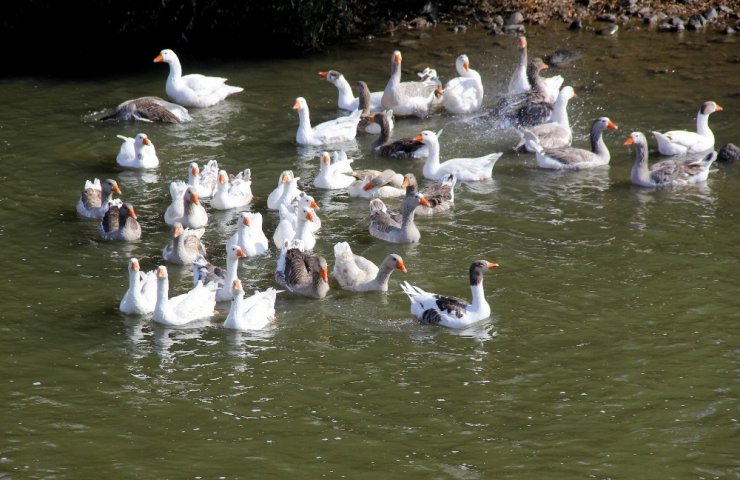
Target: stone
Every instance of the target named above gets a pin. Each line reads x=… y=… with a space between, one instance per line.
x=710 y=14
x=515 y=29
x=730 y=153
x=575 y=25
x=608 y=30
x=515 y=18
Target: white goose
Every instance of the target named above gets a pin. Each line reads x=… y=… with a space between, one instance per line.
x=346 y=99
x=464 y=169
x=141 y=295
x=232 y=192
x=376 y=184
x=203 y=181
x=184 y=246
x=249 y=235
x=358 y=274
x=274 y=199
x=342 y=129
x=296 y=229
x=557 y=132
x=175 y=211
x=449 y=311
x=409 y=98
x=572 y=158
x=137 y=152
x=203 y=271
x=678 y=142
x=96 y=197
x=463 y=94
x=197 y=303
x=193 y=90
x=333 y=175
x=251 y=313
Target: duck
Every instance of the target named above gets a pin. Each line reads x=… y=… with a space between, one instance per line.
x=386 y=226
x=175 y=211
x=254 y=312
x=680 y=142
x=440 y=195
x=366 y=124
x=333 y=175
x=96 y=197
x=249 y=235
x=376 y=184
x=193 y=90
x=527 y=109
x=520 y=83
x=449 y=311
x=141 y=294
x=572 y=158
x=346 y=99
x=274 y=199
x=291 y=228
x=557 y=132
x=338 y=130
x=205 y=272
x=417 y=98
x=402 y=148
x=120 y=223
x=203 y=181
x=303 y=274
x=150 y=110
x=137 y=152
x=196 y=304
x=463 y=94
x=666 y=173
x=464 y=169
x=184 y=246
x=232 y=191
x=358 y=274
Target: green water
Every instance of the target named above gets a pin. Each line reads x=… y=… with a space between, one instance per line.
x=611 y=351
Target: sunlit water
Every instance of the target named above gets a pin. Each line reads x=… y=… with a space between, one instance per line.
x=611 y=350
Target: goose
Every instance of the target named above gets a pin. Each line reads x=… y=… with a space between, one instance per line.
x=401 y=148
x=346 y=99
x=440 y=196
x=184 y=246
x=274 y=199
x=302 y=273
x=137 y=152
x=232 y=192
x=678 y=142
x=409 y=98
x=141 y=295
x=333 y=175
x=203 y=181
x=175 y=211
x=666 y=173
x=254 y=312
x=449 y=311
x=342 y=129
x=120 y=223
x=376 y=184
x=520 y=83
x=366 y=124
x=205 y=272
x=96 y=197
x=150 y=110
x=463 y=94
x=296 y=229
x=464 y=169
x=194 y=213
x=384 y=226
x=557 y=132
x=249 y=235
x=358 y=274
x=193 y=90
x=197 y=303
x=529 y=108
x=571 y=158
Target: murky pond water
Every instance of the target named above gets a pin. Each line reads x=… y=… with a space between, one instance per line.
x=611 y=350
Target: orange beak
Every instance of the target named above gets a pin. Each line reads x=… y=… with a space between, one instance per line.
x=314 y=205
x=132 y=213
x=296 y=106
x=401 y=266
x=236 y=284
x=240 y=252
x=146 y=141
x=611 y=125
x=176 y=231
x=325 y=159
x=397 y=58
x=405 y=182
x=222 y=179
x=418 y=138
x=161 y=272
x=629 y=140
x=195 y=170
x=195 y=198
x=159 y=58
x=116 y=188
x=466 y=66
x=135 y=265
x=285 y=179
x=368 y=186
x=718 y=108
x=324 y=74
x=491 y=265
x=423 y=201
x=246 y=221
x=324 y=274
x=309 y=216
x=522 y=42
x=545 y=66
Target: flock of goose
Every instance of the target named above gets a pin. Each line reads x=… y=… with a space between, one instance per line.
x=536 y=106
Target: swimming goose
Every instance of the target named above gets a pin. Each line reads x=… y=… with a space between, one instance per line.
x=346 y=99
x=449 y=311
x=670 y=173
x=193 y=90
x=677 y=142
x=141 y=294
x=463 y=94
x=376 y=184
x=440 y=196
x=557 y=132
x=120 y=223
x=254 y=312
x=149 y=109
x=96 y=197
x=464 y=169
x=302 y=273
x=194 y=213
x=175 y=211
x=401 y=148
x=249 y=235
x=137 y=152
x=529 y=108
x=519 y=82
x=385 y=226
x=358 y=274
x=297 y=228
x=409 y=98
x=184 y=246
x=232 y=191
x=333 y=175
x=571 y=158
x=206 y=272
x=273 y=199
x=342 y=129
x=197 y=303
x=289 y=192
x=203 y=181
x=366 y=124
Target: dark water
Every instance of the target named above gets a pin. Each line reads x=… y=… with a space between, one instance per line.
x=612 y=347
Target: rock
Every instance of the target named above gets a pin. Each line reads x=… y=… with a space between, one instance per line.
x=710 y=14
x=651 y=20
x=608 y=17
x=608 y=30
x=420 y=22
x=730 y=153
x=728 y=30
x=459 y=29
x=515 y=18
x=575 y=25
x=644 y=11
x=561 y=57
x=696 y=22
x=514 y=29
x=498 y=20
